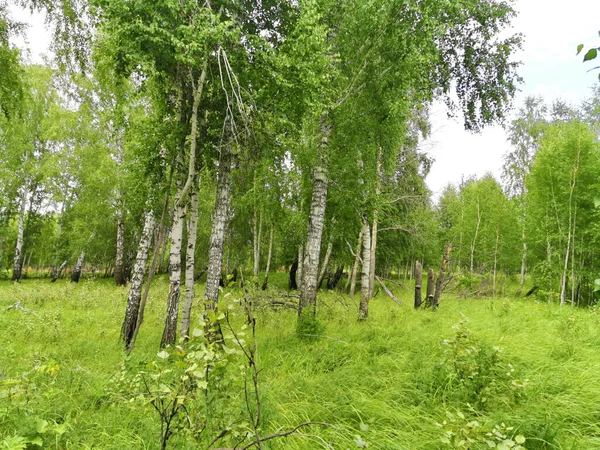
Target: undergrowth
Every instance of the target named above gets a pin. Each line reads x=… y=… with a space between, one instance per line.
x=497 y=373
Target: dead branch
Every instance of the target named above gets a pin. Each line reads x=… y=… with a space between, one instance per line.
x=387 y=291
x=20 y=307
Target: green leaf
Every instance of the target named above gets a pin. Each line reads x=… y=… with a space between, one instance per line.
x=41 y=426
x=597 y=202
x=520 y=439
x=364 y=427
x=579 y=48
x=37 y=441
x=591 y=54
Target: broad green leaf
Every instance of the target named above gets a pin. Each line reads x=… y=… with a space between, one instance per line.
x=579 y=48
x=591 y=54
x=520 y=439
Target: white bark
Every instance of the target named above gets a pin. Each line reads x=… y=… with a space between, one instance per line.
x=375 y=225
x=355 y=266
x=365 y=289
x=269 y=255
x=192 y=232
x=314 y=234
x=325 y=265
x=119 y=275
x=17 y=261
x=137 y=281
x=76 y=274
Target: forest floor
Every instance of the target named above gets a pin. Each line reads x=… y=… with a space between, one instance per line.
x=477 y=373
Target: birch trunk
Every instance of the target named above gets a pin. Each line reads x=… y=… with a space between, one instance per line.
x=430 y=286
x=365 y=289
x=257 y=242
x=171 y=319
x=355 y=266
x=314 y=234
x=219 y=232
x=375 y=226
x=192 y=232
x=418 y=284
x=475 y=236
x=58 y=270
x=495 y=262
x=439 y=285
x=523 y=265
x=325 y=266
x=300 y=272
x=17 y=261
x=119 y=275
x=137 y=281
x=266 y=282
x=76 y=273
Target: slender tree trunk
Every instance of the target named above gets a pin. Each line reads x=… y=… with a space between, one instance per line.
x=439 y=285
x=57 y=271
x=18 y=260
x=190 y=262
x=365 y=289
x=325 y=265
x=474 y=242
x=292 y=283
x=495 y=261
x=266 y=282
x=523 y=265
x=418 y=283
x=169 y=336
x=257 y=242
x=137 y=281
x=219 y=231
x=76 y=273
x=355 y=266
x=300 y=272
x=375 y=226
x=314 y=234
x=119 y=275
x=430 y=286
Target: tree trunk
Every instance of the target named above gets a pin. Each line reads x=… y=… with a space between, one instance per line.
x=137 y=281
x=418 y=283
x=292 y=283
x=523 y=265
x=375 y=227
x=355 y=266
x=300 y=273
x=17 y=262
x=430 y=286
x=332 y=284
x=365 y=289
x=57 y=271
x=192 y=232
x=266 y=282
x=169 y=336
x=76 y=273
x=474 y=242
x=218 y=232
x=310 y=270
x=325 y=266
x=257 y=242
x=495 y=262
x=119 y=273
x=439 y=285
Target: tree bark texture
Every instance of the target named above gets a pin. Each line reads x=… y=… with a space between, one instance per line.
x=430 y=286
x=169 y=336
x=190 y=262
x=300 y=273
x=76 y=273
x=292 y=283
x=365 y=289
x=375 y=227
x=219 y=229
x=18 y=260
x=314 y=234
x=137 y=281
x=439 y=285
x=119 y=272
x=269 y=255
x=355 y=266
x=325 y=265
x=57 y=271
x=418 y=284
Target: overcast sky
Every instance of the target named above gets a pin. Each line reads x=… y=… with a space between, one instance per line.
x=552 y=30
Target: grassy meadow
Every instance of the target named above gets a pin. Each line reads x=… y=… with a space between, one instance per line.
x=478 y=373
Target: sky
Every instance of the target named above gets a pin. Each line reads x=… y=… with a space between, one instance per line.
x=552 y=29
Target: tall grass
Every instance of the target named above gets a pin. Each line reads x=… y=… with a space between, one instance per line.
x=404 y=379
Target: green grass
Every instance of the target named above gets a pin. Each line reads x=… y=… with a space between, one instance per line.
x=391 y=380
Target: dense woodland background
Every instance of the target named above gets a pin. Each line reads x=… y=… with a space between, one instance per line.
x=223 y=143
